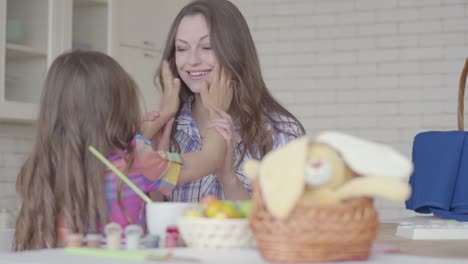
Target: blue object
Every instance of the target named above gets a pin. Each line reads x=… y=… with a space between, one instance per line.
x=152 y=241
x=440 y=179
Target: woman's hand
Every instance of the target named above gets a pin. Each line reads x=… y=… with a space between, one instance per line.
x=225 y=127
x=233 y=188
x=219 y=93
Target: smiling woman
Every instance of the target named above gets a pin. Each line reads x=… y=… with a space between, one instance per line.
x=193 y=54
x=210 y=40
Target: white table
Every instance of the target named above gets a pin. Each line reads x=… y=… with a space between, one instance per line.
x=411 y=252
x=58 y=256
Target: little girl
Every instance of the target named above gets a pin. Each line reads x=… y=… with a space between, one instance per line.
x=88 y=99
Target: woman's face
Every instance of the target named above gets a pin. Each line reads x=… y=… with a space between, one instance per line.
x=194 y=58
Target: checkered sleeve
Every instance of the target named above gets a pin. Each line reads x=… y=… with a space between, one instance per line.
x=161 y=169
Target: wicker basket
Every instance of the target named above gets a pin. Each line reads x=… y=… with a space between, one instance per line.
x=315 y=232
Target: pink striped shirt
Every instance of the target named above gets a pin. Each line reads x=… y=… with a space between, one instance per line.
x=149 y=172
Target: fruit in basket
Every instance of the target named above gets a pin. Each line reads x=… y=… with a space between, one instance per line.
x=245 y=207
x=207 y=200
x=229 y=202
x=213 y=208
x=230 y=210
x=193 y=213
x=221 y=225
x=221 y=215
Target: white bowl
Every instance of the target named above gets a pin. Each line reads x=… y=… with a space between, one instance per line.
x=160 y=215
x=216 y=233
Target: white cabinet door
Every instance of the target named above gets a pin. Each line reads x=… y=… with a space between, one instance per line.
x=91 y=25
x=141 y=65
x=145 y=23
x=32 y=35
x=30 y=38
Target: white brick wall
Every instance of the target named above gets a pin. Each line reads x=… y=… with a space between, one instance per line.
x=15 y=142
x=380 y=69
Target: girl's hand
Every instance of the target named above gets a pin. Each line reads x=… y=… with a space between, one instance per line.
x=151 y=124
x=151 y=116
x=170 y=101
x=164 y=138
x=225 y=127
x=219 y=93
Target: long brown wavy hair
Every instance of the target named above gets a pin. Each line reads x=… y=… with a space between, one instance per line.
x=87 y=99
x=236 y=53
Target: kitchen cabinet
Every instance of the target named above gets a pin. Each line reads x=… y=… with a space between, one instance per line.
x=139 y=38
x=91 y=25
x=34 y=32
x=27 y=45
x=141 y=65
x=144 y=24
x=32 y=35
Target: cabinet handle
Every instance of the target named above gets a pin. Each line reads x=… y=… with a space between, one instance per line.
x=148 y=55
x=148 y=43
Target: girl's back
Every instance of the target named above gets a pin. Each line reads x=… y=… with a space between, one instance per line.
x=82 y=104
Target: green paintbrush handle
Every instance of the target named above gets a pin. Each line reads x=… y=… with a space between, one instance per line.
x=120 y=174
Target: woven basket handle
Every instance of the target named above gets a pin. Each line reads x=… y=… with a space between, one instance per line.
x=461 y=96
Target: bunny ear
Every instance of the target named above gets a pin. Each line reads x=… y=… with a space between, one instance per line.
x=251 y=169
x=366 y=157
x=282 y=177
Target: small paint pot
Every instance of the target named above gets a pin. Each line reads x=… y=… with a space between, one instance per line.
x=152 y=241
x=74 y=240
x=113 y=233
x=93 y=240
x=132 y=236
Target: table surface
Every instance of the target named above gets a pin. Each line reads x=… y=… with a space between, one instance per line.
x=411 y=251
x=428 y=248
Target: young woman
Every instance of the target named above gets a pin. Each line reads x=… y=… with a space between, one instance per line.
x=206 y=37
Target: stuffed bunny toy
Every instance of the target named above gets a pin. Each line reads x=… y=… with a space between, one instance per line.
x=330 y=168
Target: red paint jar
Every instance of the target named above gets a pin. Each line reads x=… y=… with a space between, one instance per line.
x=172 y=237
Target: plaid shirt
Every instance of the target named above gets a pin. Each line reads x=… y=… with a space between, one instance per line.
x=188 y=137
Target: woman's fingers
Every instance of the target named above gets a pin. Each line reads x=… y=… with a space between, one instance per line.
x=205 y=95
x=216 y=75
x=221 y=124
x=222 y=113
x=223 y=133
x=219 y=92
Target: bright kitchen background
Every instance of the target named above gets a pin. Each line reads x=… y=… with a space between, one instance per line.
x=381 y=69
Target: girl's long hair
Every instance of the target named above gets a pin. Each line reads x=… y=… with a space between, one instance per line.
x=235 y=50
x=87 y=99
